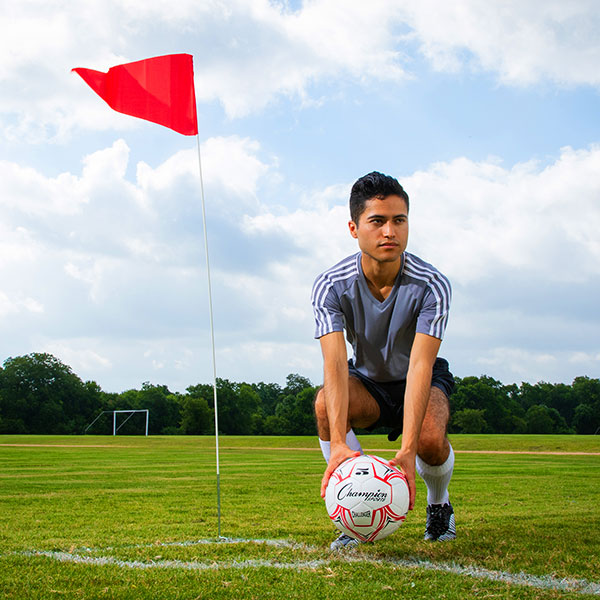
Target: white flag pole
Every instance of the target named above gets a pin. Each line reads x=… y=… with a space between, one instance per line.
x=212 y=338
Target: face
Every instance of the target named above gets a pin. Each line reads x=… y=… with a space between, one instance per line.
x=382 y=229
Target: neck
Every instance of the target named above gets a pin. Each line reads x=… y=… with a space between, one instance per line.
x=380 y=275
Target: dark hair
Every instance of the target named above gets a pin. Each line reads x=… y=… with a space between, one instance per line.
x=373 y=185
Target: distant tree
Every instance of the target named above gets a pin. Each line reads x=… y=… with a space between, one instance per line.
x=469 y=420
x=163 y=405
x=275 y=425
x=539 y=420
x=295 y=383
x=542 y=419
x=270 y=395
x=202 y=390
x=249 y=407
x=237 y=403
x=586 y=390
x=519 y=424
x=296 y=412
x=492 y=397
x=585 y=419
x=196 y=416
x=40 y=394
x=558 y=396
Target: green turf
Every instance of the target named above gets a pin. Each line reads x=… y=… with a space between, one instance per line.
x=128 y=498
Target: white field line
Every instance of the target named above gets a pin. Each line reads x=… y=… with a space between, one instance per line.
x=280 y=543
x=176 y=564
x=545 y=582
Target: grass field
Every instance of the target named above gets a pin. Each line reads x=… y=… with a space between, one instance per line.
x=135 y=517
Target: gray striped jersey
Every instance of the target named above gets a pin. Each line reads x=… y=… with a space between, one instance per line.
x=382 y=333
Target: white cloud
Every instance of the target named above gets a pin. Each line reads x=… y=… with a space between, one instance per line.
x=112 y=270
x=268 y=51
x=584 y=358
x=90 y=259
x=518 y=364
x=518 y=244
x=230 y=167
x=249 y=53
x=476 y=218
x=22 y=187
x=18 y=304
x=270 y=361
x=79 y=355
x=524 y=42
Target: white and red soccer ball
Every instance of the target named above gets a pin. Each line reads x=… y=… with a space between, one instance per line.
x=366 y=498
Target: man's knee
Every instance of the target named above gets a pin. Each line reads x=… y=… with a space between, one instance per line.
x=321 y=411
x=433 y=448
x=433 y=445
x=319 y=404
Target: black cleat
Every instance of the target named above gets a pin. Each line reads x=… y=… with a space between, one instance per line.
x=440 y=523
x=344 y=542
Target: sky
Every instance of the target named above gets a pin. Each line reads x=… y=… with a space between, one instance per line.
x=486 y=112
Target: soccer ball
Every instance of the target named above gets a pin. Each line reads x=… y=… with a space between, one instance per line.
x=366 y=498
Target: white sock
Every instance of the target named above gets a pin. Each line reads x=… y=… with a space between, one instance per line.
x=437 y=478
x=351 y=441
x=325 y=449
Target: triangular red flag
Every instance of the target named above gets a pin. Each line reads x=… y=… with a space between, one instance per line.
x=159 y=89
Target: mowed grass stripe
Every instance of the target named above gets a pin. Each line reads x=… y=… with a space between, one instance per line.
x=291 y=448
x=546 y=443
x=340 y=580
x=536 y=514
x=302 y=558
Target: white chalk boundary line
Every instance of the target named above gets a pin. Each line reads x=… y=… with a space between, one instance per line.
x=545 y=582
x=280 y=543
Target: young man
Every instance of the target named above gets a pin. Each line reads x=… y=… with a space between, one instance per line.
x=393 y=307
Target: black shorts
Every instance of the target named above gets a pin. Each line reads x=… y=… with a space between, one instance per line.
x=389 y=395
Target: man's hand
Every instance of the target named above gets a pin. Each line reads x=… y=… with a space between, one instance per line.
x=339 y=453
x=405 y=460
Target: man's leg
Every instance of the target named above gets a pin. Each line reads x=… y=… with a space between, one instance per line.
x=435 y=463
x=363 y=411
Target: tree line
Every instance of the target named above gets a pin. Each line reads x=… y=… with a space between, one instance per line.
x=41 y=395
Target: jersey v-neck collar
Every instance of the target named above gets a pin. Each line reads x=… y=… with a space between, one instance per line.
x=362 y=281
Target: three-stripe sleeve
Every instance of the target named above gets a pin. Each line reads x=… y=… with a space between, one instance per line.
x=325 y=303
x=433 y=316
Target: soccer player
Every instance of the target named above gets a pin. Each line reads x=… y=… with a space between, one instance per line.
x=393 y=307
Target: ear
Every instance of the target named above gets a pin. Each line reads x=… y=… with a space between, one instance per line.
x=352 y=226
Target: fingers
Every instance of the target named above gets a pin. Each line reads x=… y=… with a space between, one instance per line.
x=412 y=492
x=325 y=480
x=408 y=469
x=335 y=460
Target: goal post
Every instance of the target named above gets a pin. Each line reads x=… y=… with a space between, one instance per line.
x=131 y=412
x=116 y=412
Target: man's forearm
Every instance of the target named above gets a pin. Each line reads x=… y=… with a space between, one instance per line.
x=335 y=387
x=418 y=388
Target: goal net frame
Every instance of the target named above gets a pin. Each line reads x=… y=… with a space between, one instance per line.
x=116 y=412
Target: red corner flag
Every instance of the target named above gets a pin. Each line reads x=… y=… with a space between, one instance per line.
x=159 y=89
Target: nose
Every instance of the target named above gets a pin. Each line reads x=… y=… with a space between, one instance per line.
x=388 y=230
